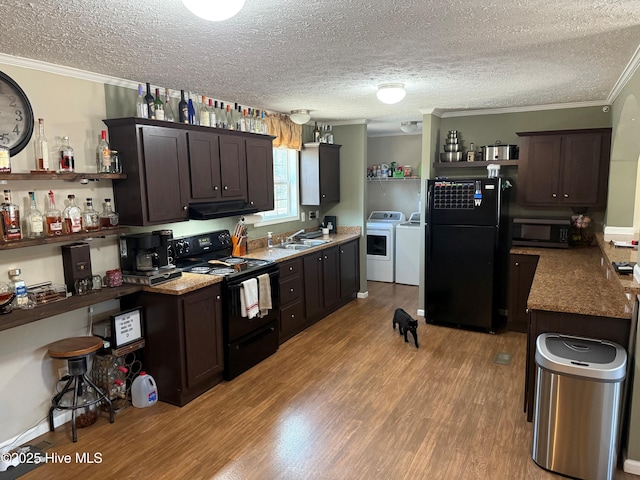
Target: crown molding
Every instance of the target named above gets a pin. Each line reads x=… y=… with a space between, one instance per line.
x=626 y=75
x=357 y=121
x=65 y=71
x=531 y=108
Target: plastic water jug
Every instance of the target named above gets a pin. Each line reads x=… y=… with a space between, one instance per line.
x=144 y=392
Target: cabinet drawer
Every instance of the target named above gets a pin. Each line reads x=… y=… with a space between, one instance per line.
x=292 y=319
x=290 y=268
x=291 y=290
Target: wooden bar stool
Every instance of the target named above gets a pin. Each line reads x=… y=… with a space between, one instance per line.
x=76 y=351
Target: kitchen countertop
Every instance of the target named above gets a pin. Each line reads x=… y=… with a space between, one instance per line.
x=190 y=282
x=611 y=253
x=573 y=281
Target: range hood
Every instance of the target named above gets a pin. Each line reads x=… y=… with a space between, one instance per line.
x=230 y=208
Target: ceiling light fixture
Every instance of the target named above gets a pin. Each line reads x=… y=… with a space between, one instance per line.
x=214 y=10
x=391 y=93
x=409 y=127
x=300 y=116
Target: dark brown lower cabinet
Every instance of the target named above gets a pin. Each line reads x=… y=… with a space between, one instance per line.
x=349 y=270
x=292 y=312
x=316 y=284
x=321 y=283
x=183 y=335
x=522 y=268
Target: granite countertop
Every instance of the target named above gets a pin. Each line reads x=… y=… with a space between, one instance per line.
x=573 y=281
x=611 y=253
x=190 y=282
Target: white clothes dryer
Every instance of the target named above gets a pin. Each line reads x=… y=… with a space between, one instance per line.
x=408 y=251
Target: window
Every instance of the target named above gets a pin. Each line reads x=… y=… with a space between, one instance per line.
x=285 y=186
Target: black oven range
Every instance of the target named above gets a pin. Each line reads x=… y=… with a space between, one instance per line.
x=246 y=341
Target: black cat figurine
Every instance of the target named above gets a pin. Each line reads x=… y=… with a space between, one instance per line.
x=405 y=324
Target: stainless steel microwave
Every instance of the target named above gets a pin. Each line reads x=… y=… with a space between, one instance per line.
x=540 y=232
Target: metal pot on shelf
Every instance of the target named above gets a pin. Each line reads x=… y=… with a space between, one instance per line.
x=498 y=151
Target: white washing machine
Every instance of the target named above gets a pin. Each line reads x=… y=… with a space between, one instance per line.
x=381 y=237
x=408 y=251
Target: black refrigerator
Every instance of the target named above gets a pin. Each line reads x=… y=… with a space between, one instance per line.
x=462 y=257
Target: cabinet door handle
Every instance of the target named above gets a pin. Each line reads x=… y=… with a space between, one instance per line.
x=325 y=257
x=293 y=315
x=217 y=297
x=251 y=203
x=291 y=269
x=554 y=195
x=215 y=188
x=566 y=195
x=225 y=187
x=185 y=207
x=517 y=264
x=324 y=196
x=291 y=290
x=319 y=259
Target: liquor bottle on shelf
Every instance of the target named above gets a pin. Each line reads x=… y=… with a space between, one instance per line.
x=66 y=162
x=11 y=229
x=183 y=109
x=42 y=148
x=72 y=216
x=35 y=220
x=53 y=218
x=103 y=154
x=327 y=136
x=158 y=106
x=142 y=111
x=237 y=115
x=316 y=132
x=244 y=121
x=90 y=218
x=191 y=109
x=222 y=116
x=108 y=218
x=231 y=122
x=169 y=114
x=265 y=126
x=215 y=114
x=149 y=101
x=205 y=113
x=5 y=159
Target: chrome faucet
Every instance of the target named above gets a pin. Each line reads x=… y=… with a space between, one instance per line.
x=291 y=237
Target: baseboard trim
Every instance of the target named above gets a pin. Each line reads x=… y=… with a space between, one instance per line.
x=420 y=312
x=40 y=429
x=363 y=294
x=631 y=466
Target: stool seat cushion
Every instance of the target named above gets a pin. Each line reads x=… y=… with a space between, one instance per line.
x=74 y=347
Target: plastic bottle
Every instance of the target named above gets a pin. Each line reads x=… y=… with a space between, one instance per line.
x=270 y=239
x=19 y=287
x=144 y=392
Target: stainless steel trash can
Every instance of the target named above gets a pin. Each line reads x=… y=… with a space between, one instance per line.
x=577 y=407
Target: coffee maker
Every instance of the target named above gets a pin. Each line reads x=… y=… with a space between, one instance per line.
x=147 y=258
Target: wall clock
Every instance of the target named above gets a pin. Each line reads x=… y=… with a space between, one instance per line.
x=16 y=116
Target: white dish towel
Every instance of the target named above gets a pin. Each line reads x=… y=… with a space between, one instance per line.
x=250 y=296
x=264 y=293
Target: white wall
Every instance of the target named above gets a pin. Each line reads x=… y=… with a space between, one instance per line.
x=74 y=108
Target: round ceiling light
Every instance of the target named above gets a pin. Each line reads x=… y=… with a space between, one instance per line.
x=391 y=93
x=214 y=10
x=409 y=127
x=300 y=116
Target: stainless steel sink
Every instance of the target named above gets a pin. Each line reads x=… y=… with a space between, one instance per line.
x=293 y=246
x=302 y=244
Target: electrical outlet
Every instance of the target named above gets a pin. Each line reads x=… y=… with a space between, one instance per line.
x=312 y=215
x=62 y=371
x=303 y=217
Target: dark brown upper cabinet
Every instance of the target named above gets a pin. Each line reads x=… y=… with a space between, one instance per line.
x=319 y=174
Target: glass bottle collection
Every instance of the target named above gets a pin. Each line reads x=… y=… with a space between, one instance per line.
x=200 y=110
x=54 y=222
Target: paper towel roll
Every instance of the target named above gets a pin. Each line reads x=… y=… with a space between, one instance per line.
x=251 y=219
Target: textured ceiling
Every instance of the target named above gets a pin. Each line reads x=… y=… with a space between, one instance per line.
x=329 y=56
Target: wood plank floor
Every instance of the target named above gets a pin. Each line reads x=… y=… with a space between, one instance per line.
x=346 y=399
